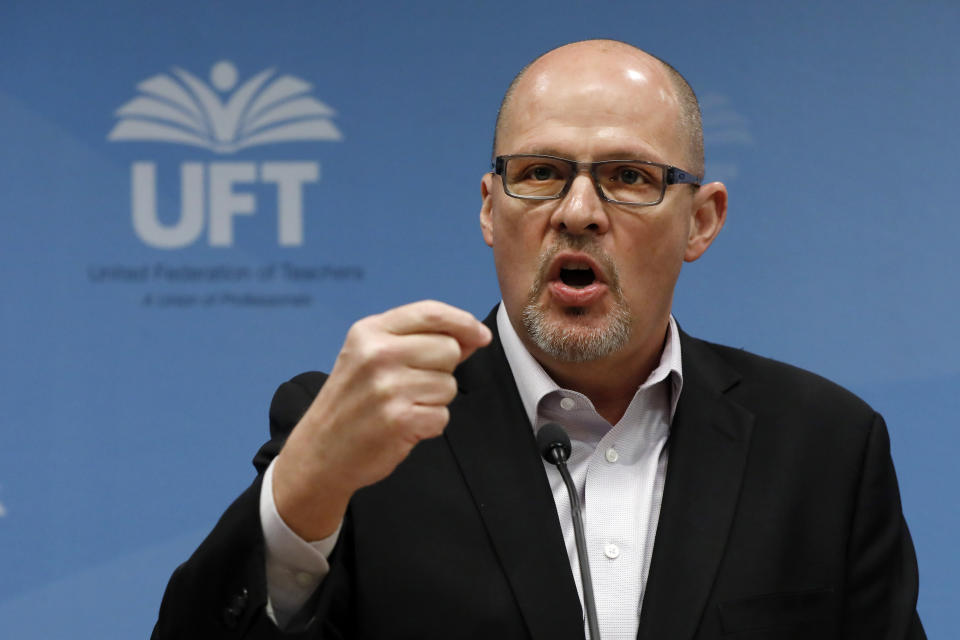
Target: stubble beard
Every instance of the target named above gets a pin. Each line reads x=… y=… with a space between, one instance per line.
x=565 y=339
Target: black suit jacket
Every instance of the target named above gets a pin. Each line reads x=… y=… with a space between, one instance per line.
x=780 y=519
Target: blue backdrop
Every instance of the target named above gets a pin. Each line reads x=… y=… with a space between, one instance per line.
x=198 y=198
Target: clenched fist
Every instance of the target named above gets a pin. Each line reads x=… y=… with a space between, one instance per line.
x=388 y=390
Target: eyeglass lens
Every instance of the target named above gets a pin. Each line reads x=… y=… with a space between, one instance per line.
x=624 y=181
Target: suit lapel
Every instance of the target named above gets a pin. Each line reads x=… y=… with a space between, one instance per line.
x=496 y=451
x=708 y=445
x=495 y=448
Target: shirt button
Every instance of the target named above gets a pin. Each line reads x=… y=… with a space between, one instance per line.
x=304 y=579
x=568 y=403
x=611 y=550
x=612 y=455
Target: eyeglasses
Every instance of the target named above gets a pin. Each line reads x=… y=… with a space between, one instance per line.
x=636 y=182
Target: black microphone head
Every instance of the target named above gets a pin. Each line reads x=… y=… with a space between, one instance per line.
x=552 y=436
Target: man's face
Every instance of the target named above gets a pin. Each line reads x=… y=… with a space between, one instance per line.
x=583 y=279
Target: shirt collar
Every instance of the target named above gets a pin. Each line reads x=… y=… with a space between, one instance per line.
x=533 y=383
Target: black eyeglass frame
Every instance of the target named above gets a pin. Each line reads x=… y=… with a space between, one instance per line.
x=671 y=175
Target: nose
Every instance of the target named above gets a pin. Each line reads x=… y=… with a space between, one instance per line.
x=581 y=210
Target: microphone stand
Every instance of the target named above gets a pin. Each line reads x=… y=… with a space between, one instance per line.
x=556 y=450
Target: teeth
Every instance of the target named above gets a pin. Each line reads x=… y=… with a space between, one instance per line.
x=576 y=266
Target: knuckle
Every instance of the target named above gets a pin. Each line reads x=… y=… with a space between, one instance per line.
x=359 y=340
x=362 y=327
x=398 y=415
x=431 y=305
x=391 y=427
x=376 y=351
x=382 y=386
x=435 y=421
x=432 y=312
x=447 y=353
x=449 y=389
x=452 y=347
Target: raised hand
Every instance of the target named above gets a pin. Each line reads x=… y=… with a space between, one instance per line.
x=388 y=390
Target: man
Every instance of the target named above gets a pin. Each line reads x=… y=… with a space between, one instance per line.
x=725 y=495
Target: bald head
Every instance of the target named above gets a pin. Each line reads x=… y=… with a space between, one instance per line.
x=581 y=56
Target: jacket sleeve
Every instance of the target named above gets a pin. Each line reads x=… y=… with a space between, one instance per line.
x=881 y=584
x=220 y=591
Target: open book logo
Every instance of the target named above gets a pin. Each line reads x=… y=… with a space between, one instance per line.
x=180 y=108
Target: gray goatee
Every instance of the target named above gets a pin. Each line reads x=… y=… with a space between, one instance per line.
x=565 y=339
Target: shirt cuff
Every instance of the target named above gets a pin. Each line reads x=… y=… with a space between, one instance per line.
x=295 y=567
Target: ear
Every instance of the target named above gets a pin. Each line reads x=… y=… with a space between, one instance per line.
x=709 y=214
x=486 y=208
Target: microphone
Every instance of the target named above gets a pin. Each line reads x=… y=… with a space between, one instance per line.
x=554 y=445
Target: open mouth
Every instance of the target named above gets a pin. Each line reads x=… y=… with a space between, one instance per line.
x=577 y=275
x=575 y=279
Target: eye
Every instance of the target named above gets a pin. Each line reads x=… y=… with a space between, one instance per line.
x=629 y=175
x=542 y=172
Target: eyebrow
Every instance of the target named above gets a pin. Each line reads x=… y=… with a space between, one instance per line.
x=615 y=155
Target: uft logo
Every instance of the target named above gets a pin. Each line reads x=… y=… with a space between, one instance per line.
x=180 y=108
